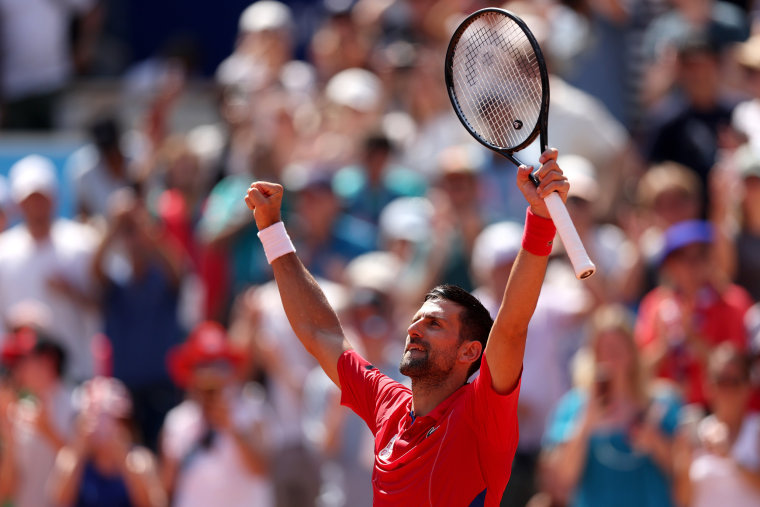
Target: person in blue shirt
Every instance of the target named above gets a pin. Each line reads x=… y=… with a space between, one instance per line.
x=609 y=439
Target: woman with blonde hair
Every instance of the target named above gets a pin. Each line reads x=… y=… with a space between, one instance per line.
x=608 y=442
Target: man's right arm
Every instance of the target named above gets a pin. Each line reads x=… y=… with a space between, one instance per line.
x=310 y=315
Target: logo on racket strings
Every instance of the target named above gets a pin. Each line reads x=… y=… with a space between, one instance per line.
x=517 y=124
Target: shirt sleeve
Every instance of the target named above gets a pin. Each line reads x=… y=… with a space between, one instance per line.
x=366 y=391
x=495 y=414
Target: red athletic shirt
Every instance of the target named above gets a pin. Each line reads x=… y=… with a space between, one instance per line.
x=460 y=454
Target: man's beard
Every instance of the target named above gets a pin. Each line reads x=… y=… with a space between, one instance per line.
x=421 y=367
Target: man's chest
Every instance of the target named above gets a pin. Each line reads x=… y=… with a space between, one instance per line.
x=431 y=462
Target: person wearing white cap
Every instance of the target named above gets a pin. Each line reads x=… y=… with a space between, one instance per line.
x=45 y=258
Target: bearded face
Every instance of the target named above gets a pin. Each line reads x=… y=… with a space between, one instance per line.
x=432 y=342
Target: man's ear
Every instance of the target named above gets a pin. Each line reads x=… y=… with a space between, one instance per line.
x=470 y=351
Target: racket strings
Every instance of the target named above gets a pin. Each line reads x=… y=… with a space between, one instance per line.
x=497 y=81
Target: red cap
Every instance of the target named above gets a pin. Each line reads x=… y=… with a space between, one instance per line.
x=207 y=343
x=17 y=345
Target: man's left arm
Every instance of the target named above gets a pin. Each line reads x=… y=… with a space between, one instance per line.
x=506 y=343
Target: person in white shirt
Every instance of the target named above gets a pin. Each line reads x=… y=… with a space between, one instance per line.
x=41 y=415
x=717 y=458
x=215 y=444
x=36 y=59
x=47 y=259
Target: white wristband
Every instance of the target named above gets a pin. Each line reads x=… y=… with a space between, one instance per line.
x=276 y=241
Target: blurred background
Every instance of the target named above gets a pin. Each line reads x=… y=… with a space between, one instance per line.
x=146 y=358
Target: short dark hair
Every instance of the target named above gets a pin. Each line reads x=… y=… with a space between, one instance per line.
x=474 y=320
x=46 y=347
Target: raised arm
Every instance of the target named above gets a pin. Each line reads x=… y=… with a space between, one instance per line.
x=312 y=318
x=506 y=343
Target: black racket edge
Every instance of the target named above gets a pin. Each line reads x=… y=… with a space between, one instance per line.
x=541 y=126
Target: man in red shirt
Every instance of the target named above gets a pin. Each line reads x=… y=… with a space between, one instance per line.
x=443 y=442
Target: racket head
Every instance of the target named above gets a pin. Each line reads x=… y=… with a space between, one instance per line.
x=497 y=80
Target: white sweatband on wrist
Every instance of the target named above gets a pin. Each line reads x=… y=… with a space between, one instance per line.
x=276 y=241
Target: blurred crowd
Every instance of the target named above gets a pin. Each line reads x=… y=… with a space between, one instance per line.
x=147 y=360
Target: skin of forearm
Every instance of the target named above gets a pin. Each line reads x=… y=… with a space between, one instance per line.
x=312 y=318
x=143 y=486
x=506 y=344
x=67 y=475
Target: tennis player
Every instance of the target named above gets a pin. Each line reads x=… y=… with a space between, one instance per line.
x=444 y=442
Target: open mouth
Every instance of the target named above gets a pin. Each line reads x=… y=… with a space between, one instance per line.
x=415 y=347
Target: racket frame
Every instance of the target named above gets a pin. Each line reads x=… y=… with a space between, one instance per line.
x=541 y=126
x=582 y=265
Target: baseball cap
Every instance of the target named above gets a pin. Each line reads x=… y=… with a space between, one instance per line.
x=33 y=174
x=266 y=15
x=207 y=344
x=683 y=234
x=356 y=88
x=378 y=271
x=498 y=243
x=460 y=159
x=28 y=342
x=407 y=218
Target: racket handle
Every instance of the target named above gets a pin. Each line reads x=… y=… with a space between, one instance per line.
x=580 y=260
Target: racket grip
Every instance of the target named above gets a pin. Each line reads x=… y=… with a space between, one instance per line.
x=580 y=260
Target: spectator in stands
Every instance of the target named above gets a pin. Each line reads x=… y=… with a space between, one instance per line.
x=719 y=20
x=35 y=70
x=215 y=444
x=588 y=43
x=687 y=128
x=744 y=244
x=353 y=108
x=717 y=458
x=227 y=236
x=49 y=259
x=746 y=117
x=103 y=466
x=100 y=169
x=139 y=273
x=617 y=259
x=368 y=186
x=609 y=440
x=41 y=417
x=667 y=193
x=327 y=238
x=457 y=181
x=689 y=312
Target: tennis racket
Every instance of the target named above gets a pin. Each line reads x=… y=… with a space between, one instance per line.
x=498 y=84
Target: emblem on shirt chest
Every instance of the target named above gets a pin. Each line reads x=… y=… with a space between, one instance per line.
x=388 y=449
